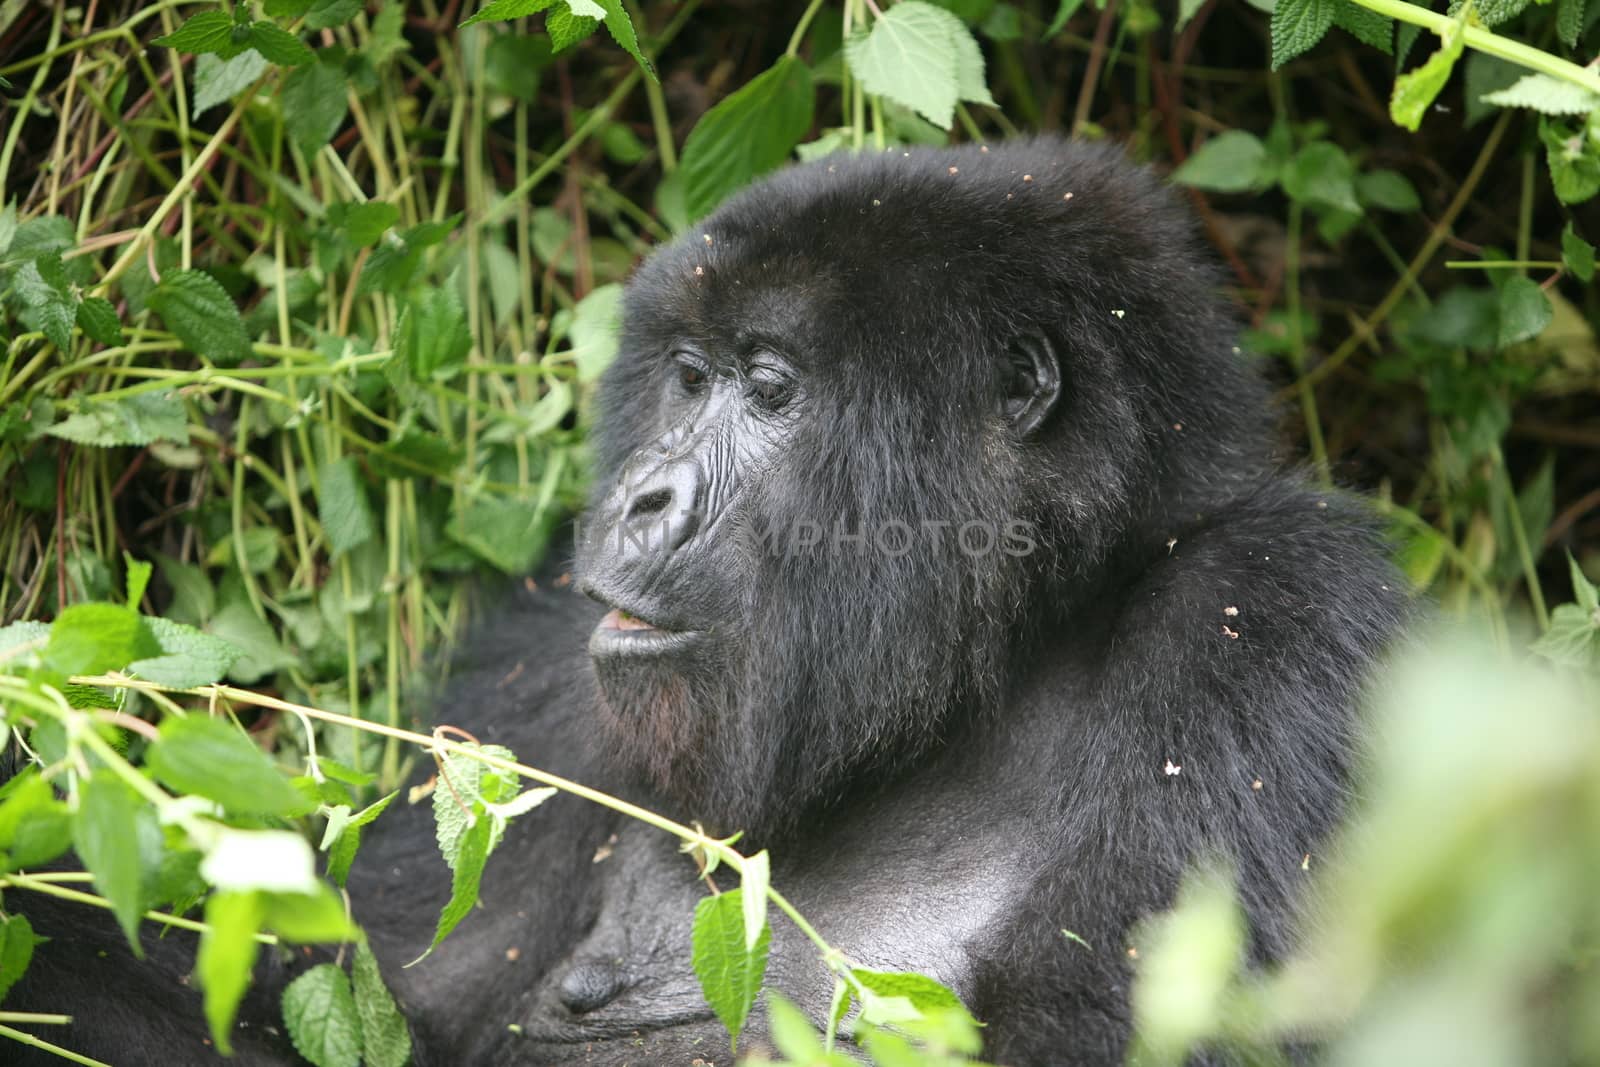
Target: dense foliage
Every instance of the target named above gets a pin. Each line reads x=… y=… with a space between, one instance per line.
x=301 y=302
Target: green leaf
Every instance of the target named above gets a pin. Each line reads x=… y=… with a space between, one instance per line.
x=1524 y=311
x=315 y=916
x=620 y=26
x=95 y=638
x=1388 y=190
x=596 y=331
x=1569 y=20
x=97 y=318
x=1583 y=590
x=326 y=14
x=510 y=534
x=1573 y=638
x=730 y=975
x=141 y=419
x=363 y=225
x=1416 y=90
x=432 y=339
x=188 y=656
x=1577 y=254
x=792 y=1032
x=342 y=851
x=226 y=957
x=1297 y=25
x=16 y=950
x=44 y=291
x=279 y=46
x=214 y=759
x=1064 y=11
x=505 y=10
x=278 y=861
x=385 y=1041
x=137 y=579
x=196 y=307
x=105 y=832
x=465 y=787
x=1230 y=162
x=1485 y=74
x=285 y=9
x=217 y=81
x=343 y=507
x=566 y=29
x=314 y=105
x=1546 y=95
x=209 y=31
x=747 y=134
x=320 y=1013
x=468 y=875
x=35 y=827
x=756 y=877
x=239 y=625
x=1321 y=176
x=1365 y=25
x=1574 y=166
x=1492 y=12
x=912 y=56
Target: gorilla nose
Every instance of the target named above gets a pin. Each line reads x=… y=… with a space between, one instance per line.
x=661 y=510
x=590 y=984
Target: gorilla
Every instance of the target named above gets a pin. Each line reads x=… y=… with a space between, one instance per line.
x=938 y=543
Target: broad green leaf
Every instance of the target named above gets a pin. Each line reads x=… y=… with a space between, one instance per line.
x=464 y=787
x=747 y=134
x=1321 y=176
x=923 y=993
x=1574 y=165
x=16 y=950
x=620 y=26
x=277 y=861
x=792 y=1032
x=217 y=80
x=1388 y=190
x=509 y=534
x=343 y=507
x=136 y=580
x=432 y=339
x=1583 y=590
x=911 y=56
x=8 y=227
x=1189 y=957
x=729 y=973
x=196 y=307
x=468 y=874
x=1365 y=25
x=314 y=105
x=1547 y=95
x=342 y=851
x=214 y=759
x=1577 y=254
x=97 y=318
x=1415 y=91
x=208 y=31
x=105 y=833
x=1573 y=638
x=756 y=877
x=95 y=638
x=566 y=29
x=279 y=46
x=188 y=656
x=596 y=330
x=46 y=295
x=285 y=9
x=320 y=1013
x=1569 y=20
x=1485 y=74
x=35 y=827
x=363 y=225
x=971 y=77
x=1492 y=12
x=505 y=10
x=239 y=625
x=385 y=1040
x=1297 y=25
x=311 y=917
x=226 y=957
x=1230 y=162
x=1524 y=311
x=141 y=419
x=326 y=14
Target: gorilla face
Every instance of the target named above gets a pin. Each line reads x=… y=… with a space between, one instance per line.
x=868 y=419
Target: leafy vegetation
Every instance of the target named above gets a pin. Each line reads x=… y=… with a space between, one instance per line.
x=302 y=301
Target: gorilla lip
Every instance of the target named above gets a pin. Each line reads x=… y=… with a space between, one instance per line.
x=617 y=619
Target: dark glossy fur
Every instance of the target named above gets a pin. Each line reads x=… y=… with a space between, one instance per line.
x=952 y=758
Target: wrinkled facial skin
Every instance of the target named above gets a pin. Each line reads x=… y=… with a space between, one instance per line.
x=818 y=390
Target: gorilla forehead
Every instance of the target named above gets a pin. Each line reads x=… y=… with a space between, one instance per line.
x=881 y=245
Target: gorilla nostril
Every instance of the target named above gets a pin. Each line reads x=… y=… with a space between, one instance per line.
x=590 y=984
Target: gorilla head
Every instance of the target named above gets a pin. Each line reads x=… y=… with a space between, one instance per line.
x=875 y=424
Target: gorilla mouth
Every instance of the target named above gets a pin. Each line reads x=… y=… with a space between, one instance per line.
x=618 y=619
x=622 y=633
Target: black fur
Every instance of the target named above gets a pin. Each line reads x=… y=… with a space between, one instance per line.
x=952 y=756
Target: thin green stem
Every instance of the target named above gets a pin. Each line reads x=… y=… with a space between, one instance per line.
x=22 y=1037
x=801 y=27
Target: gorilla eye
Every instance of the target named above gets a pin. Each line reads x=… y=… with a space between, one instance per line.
x=692 y=373
x=769 y=388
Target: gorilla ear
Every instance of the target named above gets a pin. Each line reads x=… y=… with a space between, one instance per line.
x=1033 y=385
